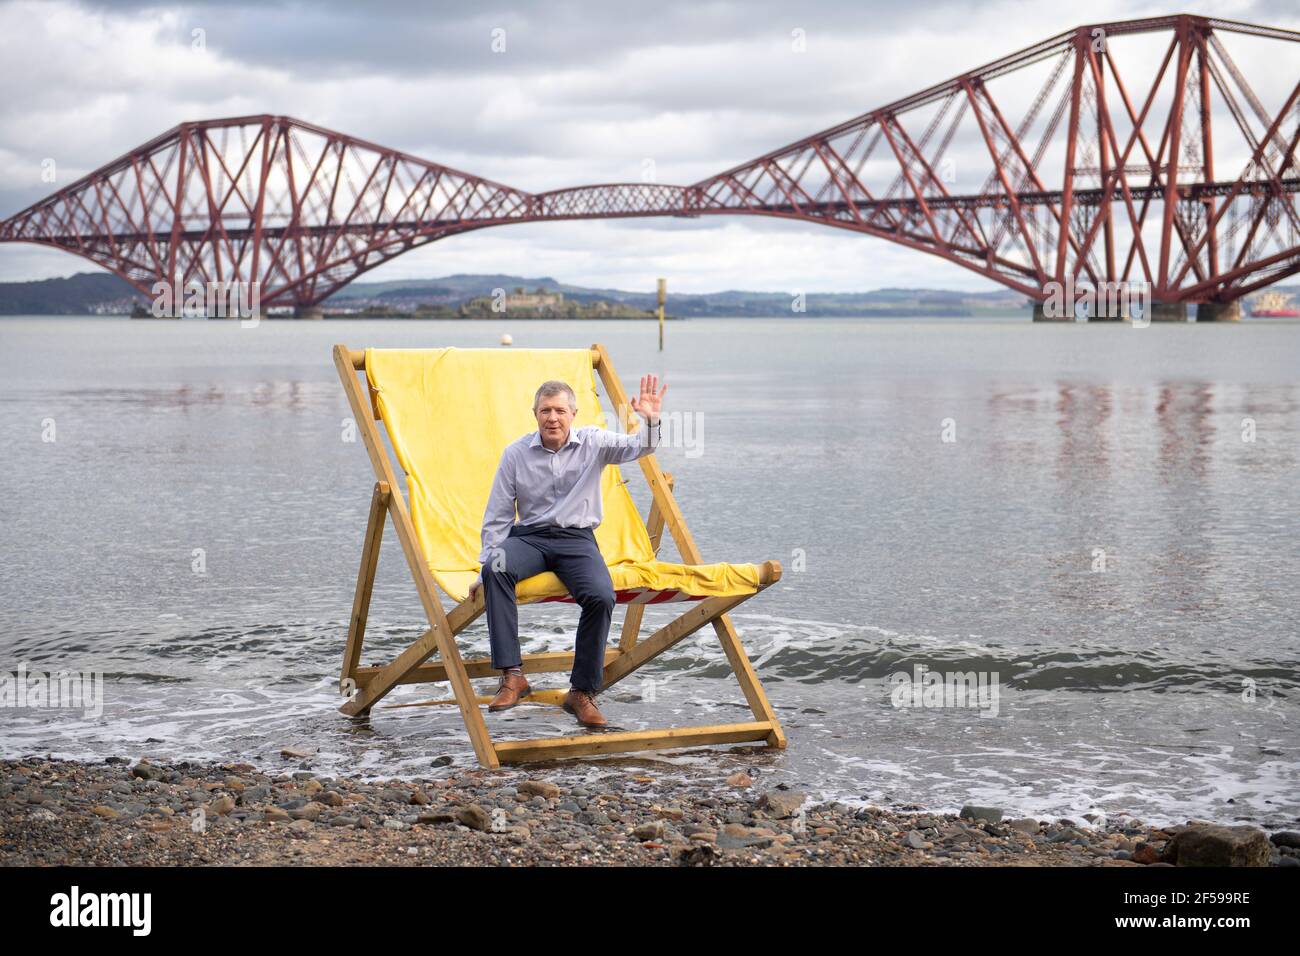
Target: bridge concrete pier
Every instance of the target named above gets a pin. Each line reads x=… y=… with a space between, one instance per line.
x=1218 y=312
x=1120 y=316
x=1040 y=315
x=1168 y=311
x=1160 y=312
x=308 y=312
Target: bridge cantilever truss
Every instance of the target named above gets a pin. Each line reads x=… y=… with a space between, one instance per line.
x=1186 y=182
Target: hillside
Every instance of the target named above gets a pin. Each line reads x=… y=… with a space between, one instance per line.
x=106 y=294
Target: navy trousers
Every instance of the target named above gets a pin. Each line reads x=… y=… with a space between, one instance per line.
x=576 y=560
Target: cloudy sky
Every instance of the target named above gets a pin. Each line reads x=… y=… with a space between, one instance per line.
x=583 y=93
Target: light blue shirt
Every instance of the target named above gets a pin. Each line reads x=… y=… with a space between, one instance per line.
x=557 y=487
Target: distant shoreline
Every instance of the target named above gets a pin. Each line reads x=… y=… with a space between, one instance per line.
x=399 y=318
x=473 y=297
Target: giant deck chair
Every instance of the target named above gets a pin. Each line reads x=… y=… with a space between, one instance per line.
x=449 y=414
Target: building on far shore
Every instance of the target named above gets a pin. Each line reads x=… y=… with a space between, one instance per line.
x=538 y=301
x=541 y=304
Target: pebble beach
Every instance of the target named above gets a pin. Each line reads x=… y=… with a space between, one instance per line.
x=125 y=812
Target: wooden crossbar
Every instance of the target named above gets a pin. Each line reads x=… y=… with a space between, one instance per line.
x=482 y=667
x=358 y=357
x=549 y=748
x=366 y=686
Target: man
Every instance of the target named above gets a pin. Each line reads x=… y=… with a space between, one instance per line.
x=552 y=476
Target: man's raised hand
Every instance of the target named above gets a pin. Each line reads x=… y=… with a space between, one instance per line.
x=648 y=403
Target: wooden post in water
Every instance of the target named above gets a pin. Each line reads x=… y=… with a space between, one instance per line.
x=663 y=294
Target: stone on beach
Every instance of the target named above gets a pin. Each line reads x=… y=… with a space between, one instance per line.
x=436 y=816
x=222 y=805
x=474 y=817
x=780 y=803
x=1209 y=844
x=649 y=831
x=987 y=814
x=539 y=788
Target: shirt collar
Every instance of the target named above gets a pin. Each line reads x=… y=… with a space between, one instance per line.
x=575 y=438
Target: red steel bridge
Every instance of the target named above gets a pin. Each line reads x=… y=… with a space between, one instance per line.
x=1134 y=151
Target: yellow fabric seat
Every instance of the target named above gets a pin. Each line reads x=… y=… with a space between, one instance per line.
x=450 y=413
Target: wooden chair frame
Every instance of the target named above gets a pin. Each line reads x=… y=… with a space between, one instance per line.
x=368 y=685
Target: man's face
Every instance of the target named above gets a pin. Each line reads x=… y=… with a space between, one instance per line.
x=554 y=416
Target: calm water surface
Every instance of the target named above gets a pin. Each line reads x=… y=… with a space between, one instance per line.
x=1097 y=540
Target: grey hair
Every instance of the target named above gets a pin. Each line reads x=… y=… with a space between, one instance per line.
x=555 y=387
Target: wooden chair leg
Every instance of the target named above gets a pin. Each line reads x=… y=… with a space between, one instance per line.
x=365 y=582
x=749 y=684
x=635 y=612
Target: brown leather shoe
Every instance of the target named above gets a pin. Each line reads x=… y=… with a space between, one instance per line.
x=512 y=687
x=583 y=706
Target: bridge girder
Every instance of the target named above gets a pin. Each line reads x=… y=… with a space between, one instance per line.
x=1092 y=184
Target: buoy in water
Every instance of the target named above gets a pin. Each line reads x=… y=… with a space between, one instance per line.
x=506 y=339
